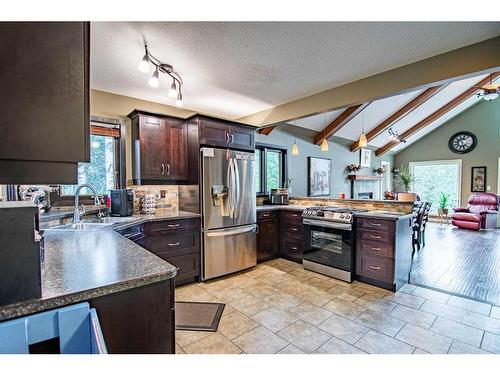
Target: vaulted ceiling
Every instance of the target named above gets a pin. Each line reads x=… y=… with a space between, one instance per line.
x=377 y=111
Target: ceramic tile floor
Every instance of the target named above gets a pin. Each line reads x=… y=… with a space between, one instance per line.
x=278 y=307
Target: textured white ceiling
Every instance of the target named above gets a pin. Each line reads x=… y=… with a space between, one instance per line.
x=235 y=69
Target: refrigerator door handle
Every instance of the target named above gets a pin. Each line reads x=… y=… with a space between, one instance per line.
x=237 y=188
x=222 y=233
x=229 y=188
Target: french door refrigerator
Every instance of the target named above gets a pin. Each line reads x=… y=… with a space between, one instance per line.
x=228 y=208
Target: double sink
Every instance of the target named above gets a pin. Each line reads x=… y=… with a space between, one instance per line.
x=91 y=224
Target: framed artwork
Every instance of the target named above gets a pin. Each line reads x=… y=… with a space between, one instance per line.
x=478 y=179
x=365 y=157
x=319 y=172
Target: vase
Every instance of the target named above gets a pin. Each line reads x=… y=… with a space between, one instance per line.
x=407 y=197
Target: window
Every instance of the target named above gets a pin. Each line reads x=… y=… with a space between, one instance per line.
x=106 y=169
x=435 y=177
x=270 y=168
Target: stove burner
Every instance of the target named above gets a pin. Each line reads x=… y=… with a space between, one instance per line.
x=339 y=214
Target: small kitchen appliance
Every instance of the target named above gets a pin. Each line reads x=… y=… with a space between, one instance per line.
x=278 y=196
x=122 y=202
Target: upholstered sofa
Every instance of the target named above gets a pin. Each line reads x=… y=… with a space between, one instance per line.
x=480 y=213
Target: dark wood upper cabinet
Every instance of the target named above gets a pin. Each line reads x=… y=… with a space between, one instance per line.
x=220 y=133
x=160 y=149
x=44 y=93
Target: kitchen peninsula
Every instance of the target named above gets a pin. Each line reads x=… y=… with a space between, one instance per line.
x=372 y=238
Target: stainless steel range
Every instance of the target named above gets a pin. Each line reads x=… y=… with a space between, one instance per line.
x=328 y=241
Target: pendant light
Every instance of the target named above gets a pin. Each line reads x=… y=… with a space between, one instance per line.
x=324 y=142
x=178 y=102
x=173 y=90
x=144 y=65
x=295 y=148
x=363 y=142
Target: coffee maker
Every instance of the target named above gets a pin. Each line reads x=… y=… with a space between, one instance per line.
x=279 y=196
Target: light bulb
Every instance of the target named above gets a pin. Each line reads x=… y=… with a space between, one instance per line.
x=362 y=140
x=324 y=145
x=173 y=90
x=144 y=64
x=178 y=102
x=295 y=149
x=154 y=81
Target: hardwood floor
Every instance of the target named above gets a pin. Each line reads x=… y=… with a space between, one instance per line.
x=461 y=262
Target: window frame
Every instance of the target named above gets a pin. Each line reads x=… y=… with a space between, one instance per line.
x=263 y=148
x=57 y=199
x=458 y=162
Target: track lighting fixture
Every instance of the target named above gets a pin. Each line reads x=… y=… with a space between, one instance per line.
x=395 y=136
x=324 y=145
x=175 y=91
x=295 y=148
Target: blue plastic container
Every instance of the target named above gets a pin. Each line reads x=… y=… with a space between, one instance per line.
x=76 y=326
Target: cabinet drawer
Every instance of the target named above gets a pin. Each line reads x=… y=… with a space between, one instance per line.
x=188 y=265
x=376 y=236
x=169 y=226
x=377 y=268
x=376 y=224
x=293 y=229
x=376 y=249
x=268 y=214
x=175 y=244
x=292 y=248
x=289 y=216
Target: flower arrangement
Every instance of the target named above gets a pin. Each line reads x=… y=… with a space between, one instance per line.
x=353 y=168
x=379 y=170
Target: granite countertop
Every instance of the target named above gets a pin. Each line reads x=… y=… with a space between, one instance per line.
x=384 y=215
x=81 y=265
x=289 y=207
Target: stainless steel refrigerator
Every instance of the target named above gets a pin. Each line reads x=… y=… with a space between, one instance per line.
x=229 y=218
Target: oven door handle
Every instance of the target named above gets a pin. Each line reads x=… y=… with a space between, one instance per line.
x=327 y=224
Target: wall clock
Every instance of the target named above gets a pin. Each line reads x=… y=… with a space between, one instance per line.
x=462 y=142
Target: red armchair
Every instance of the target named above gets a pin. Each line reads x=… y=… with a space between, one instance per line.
x=481 y=212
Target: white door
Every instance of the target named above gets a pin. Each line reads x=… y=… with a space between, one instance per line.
x=386 y=183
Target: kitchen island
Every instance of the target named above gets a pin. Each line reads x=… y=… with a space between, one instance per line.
x=131 y=288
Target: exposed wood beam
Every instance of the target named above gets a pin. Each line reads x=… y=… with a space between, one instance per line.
x=266 y=130
x=437 y=114
x=475 y=59
x=403 y=111
x=339 y=122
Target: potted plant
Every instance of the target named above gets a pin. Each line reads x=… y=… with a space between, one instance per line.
x=353 y=168
x=444 y=201
x=288 y=185
x=404 y=179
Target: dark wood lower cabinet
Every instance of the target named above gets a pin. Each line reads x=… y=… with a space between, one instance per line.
x=139 y=320
x=268 y=240
x=292 y=238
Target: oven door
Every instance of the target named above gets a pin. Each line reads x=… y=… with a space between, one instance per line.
x=329 y=246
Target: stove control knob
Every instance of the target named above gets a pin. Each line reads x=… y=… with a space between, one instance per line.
x=341 y=216
x=348 y=217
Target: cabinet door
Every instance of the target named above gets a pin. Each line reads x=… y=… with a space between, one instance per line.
x=242 y=138
x=45 y=91
x=177 y=149
x=214 y=133
x=152 y=142
x=267 y=239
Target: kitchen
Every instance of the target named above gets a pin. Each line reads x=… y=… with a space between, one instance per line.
x=146 y=213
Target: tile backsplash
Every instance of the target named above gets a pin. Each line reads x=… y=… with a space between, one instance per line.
x=167 y=197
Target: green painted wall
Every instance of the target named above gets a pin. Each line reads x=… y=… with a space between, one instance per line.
x=338 y=152
x=483 y=119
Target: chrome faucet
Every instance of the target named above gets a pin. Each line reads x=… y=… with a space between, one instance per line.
x=76 y=211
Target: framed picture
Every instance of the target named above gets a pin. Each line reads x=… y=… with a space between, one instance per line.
x=365 y=157
x=478 y=179
x=319 y=172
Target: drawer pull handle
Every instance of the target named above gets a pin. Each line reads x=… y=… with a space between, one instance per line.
x=294 y=248
x=266 y=215
x=174 y=244
x=373 y=267
x=127 y=235
x=294 y=215
x=294 y=229
x=376 y=237
x=375 y=248
x=376 y=224
x=173 y=225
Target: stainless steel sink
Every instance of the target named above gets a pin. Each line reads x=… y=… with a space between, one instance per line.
x=110 y=219
x=81 y=226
